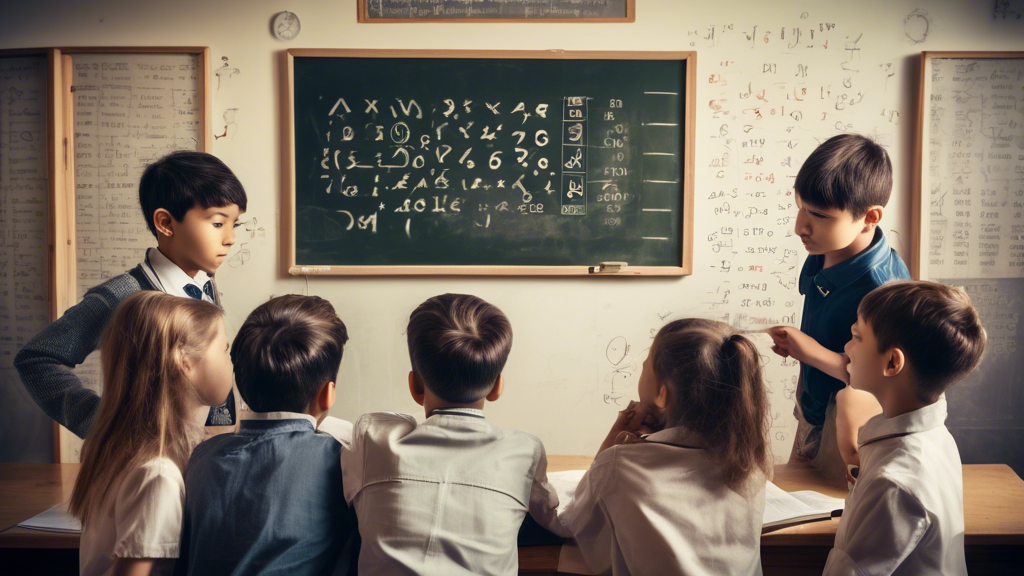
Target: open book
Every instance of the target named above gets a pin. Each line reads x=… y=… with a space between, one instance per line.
x=782 y=509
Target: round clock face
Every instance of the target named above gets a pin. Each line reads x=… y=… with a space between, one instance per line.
x=286 y=26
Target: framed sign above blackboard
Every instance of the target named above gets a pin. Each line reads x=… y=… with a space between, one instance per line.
x=474 y=162
x=385 y=11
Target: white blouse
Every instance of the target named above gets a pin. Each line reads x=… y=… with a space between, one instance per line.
x=140 y=518
x=663 y=507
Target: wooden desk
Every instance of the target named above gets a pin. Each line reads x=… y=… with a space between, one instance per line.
x=993 y=517
x=993 y=523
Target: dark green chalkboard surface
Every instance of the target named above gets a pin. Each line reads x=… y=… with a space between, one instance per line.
x=452 y=162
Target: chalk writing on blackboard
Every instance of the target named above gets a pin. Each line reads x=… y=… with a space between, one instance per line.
x=502 y=164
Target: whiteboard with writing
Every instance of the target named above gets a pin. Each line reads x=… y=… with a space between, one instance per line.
x=24 y=293
x=972 y=153
x=129 y=110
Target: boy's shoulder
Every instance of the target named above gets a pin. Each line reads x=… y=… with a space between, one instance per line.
x=121 y=286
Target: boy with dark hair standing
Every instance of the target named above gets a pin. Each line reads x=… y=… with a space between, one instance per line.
x=905 y=516
x=447 y=497
x=191 y=202
x=841 y=191
x=268 y=499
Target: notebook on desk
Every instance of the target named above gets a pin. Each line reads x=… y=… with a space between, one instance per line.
x=782 y=509
x=56 y=519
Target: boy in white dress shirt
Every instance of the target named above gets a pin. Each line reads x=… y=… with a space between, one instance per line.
x=447 y=496
x=905 y=515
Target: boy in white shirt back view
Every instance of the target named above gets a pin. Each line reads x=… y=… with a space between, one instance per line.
x=447 y=496
x=905 y=515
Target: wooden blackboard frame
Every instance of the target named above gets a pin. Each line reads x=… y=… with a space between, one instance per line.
x=685 y=266
x=64 y=249
x=363 y=16
x=919 y=216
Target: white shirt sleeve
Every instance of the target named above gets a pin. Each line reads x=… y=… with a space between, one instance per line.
x=585 y=518
x=352 y=460
x=370 y=434
x=878 y=534
x=544 y=499
x=340 y=429
x=147 y=511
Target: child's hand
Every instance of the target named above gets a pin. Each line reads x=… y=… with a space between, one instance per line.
x=633 y=421
x=791 y=342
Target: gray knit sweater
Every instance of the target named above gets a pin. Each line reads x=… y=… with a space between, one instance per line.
x=45 y=364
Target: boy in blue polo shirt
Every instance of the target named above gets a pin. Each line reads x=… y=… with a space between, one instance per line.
x=841 y=192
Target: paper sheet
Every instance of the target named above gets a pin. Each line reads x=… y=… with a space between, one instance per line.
x=56 y=519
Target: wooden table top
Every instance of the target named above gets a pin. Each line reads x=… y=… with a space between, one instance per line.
x=993 y=504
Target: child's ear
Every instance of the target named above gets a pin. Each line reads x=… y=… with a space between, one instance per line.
x=661 y=400
x=496 y=390
x=416 y=388
x=895 y=362
x=873 y=216
x=187 y=367
x=162 y=220
x=325 y=399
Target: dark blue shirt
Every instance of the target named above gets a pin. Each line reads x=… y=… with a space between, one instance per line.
x=831 y=298
x=267 y=500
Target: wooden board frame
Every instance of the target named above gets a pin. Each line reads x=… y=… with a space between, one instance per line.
x=64 y=281
x=685 y=266
x=362 y=16
x=919 y=222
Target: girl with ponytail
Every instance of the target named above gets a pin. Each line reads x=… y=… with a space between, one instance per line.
x=689 y=498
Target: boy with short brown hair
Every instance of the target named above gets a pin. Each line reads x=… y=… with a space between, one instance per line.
x=905 y=515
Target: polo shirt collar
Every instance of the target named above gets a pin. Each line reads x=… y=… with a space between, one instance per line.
x=828 y=280
x=920 y=420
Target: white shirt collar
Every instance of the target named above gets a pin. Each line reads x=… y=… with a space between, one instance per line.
x=457 y=412
x=250 y=415
x=170 y=277
x=920 y=420
x=677 y=436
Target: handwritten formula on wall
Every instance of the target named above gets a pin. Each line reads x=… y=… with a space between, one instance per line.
x=768 y=94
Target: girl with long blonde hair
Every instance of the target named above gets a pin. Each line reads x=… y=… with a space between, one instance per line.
x=688 y=498
x=164 y=359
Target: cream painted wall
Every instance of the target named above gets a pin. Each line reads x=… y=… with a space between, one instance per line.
x=559 y=372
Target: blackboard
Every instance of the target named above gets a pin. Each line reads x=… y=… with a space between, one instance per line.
x=969 y=231
x=497 y=10
x=452 y=162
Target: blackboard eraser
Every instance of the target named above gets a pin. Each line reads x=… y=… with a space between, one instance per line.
x=608 y=267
